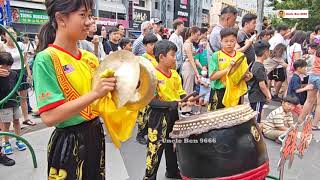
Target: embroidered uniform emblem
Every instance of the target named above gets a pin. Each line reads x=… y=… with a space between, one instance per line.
x=68 y=68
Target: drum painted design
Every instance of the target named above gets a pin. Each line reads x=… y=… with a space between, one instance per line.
x=219 y=144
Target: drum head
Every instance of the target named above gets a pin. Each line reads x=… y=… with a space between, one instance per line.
x=219 y=119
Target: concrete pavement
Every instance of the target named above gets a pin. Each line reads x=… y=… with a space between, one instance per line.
x=129 y=161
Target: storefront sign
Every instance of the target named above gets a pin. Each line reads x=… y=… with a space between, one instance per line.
x=293 y=13
x=139 y=16
x=182 y=11
x=29 y=16
x=205 y=16
x=112 y=22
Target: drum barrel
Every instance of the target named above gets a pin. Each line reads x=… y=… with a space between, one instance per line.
x=222 y=152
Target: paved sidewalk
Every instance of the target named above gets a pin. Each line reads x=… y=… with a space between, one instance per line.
x=128 y=163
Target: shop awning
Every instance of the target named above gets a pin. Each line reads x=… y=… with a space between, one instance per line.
x=25 y=4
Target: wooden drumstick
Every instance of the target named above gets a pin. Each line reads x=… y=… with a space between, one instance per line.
x=185 y=99
x=198 y=97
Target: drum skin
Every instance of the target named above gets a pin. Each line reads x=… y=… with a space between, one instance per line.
x=222 y=152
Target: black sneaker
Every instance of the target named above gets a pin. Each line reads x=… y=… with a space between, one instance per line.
x=142 y=140
x=186 y=114
x=6 y=161
x=173 y=176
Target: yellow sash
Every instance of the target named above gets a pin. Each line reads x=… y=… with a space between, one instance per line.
x=235 y=83
x=69 y=92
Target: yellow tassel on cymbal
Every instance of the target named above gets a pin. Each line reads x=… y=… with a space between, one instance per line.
x=136 y=82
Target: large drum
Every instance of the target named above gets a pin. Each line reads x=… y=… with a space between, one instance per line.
x=224 y=144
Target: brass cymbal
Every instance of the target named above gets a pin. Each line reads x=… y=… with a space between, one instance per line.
x=146 y=88
x=136 y=80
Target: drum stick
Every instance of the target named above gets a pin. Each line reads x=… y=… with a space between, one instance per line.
x=185 y=99
x=198 y=97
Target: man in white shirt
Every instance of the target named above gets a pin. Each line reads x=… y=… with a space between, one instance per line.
x=177 y=39
x=278 y=38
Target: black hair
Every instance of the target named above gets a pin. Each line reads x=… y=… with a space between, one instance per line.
x=278 y=51
x=47 y=33
x=112 y=30
x=260 y=47
x=184 y=34
x=228 y=32
x=118 y=25
x=313 y=45
x=177 y=23
x=163 y=47
x=299 y=64
x=317 y=29
x=203 y=30
x=291 y=99
x=248 y=18
x=265 y=33
x=229 y=10
x=299 y=37
x=282 y=27
x=6 y=59
x=123 y=42
x=149 y=38
x=191 y=30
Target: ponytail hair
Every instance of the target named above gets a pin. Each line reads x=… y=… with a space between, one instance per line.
x=192 y=30
x=48 y=31
x=47 y=36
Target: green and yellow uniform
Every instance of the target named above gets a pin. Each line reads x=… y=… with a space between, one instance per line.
x=163 y=114
x=222 y=88
x=76 y=147
x=144 y=113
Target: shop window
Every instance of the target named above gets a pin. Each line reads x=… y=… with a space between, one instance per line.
x=112 y=15
x=156 y=5
x=142 y=3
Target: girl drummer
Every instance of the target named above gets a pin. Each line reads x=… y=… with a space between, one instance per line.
x=62 y=75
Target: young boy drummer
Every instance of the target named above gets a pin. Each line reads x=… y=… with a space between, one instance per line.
x=164 y=112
